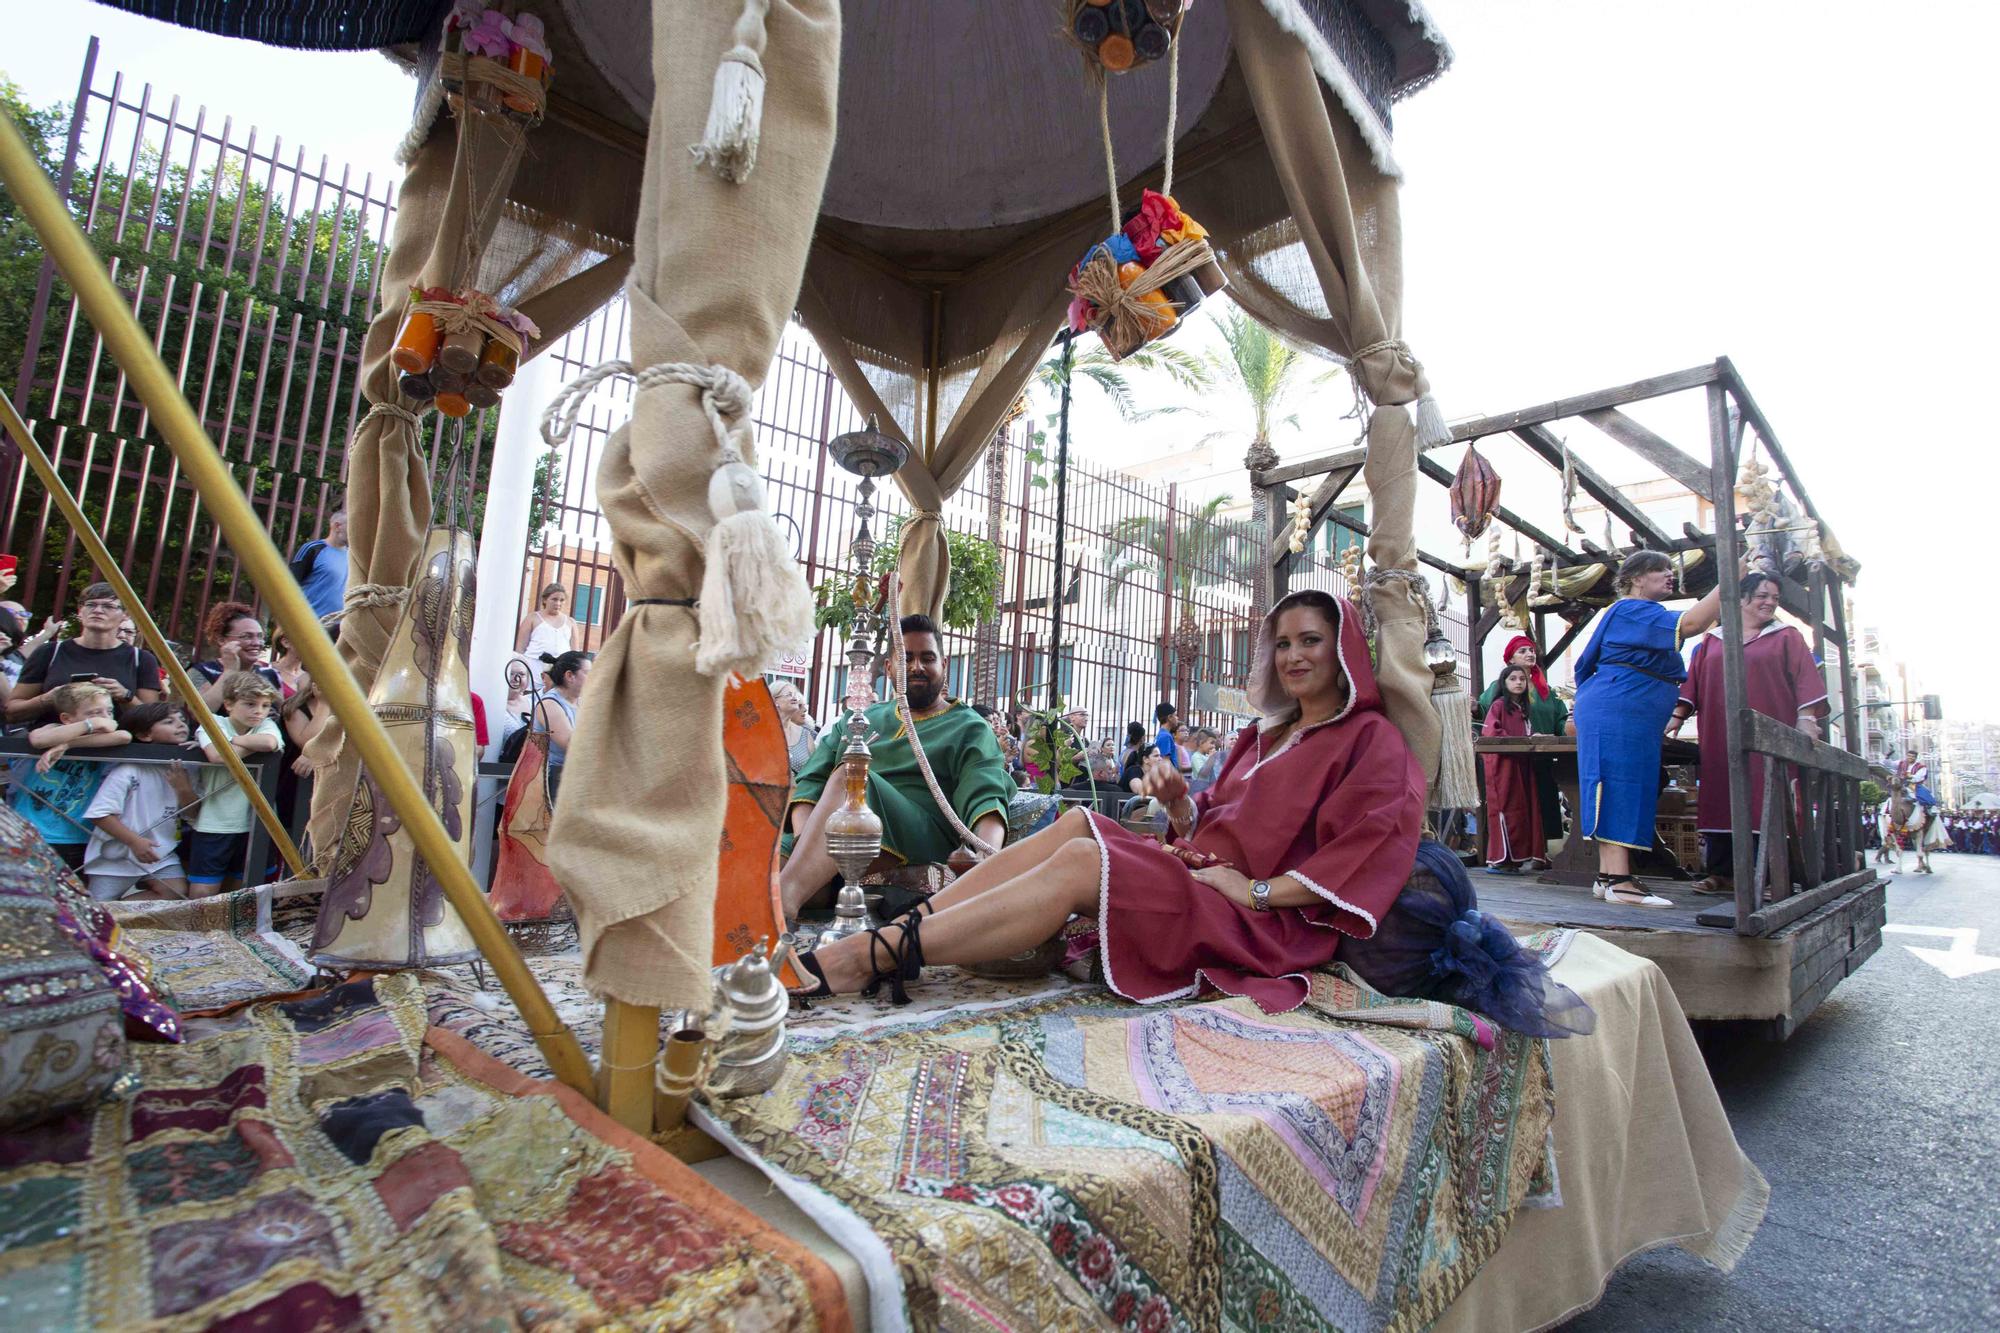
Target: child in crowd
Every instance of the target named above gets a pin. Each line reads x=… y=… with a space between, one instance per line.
x=221 y=829
x=1513 y=815
x=137 y=814
x=52 y=793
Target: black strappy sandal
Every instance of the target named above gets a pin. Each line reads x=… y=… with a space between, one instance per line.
x=906 y=958
x=822 y=991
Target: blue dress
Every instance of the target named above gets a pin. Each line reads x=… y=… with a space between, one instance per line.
x=1627 y=682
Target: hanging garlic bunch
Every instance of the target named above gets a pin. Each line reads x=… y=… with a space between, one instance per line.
x=1496 y=564
x=1349 y=564
x=1302 y=509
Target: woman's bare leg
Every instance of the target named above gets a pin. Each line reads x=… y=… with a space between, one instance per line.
x=1613 y=858
x=988 y=925
x=1013 y=861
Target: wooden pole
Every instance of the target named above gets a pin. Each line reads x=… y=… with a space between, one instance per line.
x=683 y=1067
x=178 y=425
x=100 y=555
x=1735 y=691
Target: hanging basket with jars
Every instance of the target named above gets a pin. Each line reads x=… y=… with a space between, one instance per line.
x=1117 y=35
x=459 y=350
x=1156 y=266
x=495 y=61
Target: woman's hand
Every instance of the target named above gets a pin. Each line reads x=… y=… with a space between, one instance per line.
x=113 y=687
x=1675 y=724
x=229 y=654
x=1809 y=727
x=302 y=766
x=1163 y=782
x=1228 y=881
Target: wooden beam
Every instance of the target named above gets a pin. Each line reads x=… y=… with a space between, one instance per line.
x=1569 y=637
x=574 y=115
x=1656 y=387
x=1767 y=735
x=1328 y=492
x=1735 y=690
x=1778 y=915
x=1550 y=449
x=1682 y=467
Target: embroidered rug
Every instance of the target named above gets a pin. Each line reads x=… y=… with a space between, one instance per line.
x=323 y=1163
x=209 y=953
x=1071 y=1161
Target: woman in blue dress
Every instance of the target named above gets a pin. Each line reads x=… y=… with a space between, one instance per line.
x=1627 y=683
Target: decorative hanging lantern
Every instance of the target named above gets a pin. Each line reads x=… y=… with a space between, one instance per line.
x=1475 y=495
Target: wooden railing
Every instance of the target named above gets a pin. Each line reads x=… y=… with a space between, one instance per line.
x=1814 y=830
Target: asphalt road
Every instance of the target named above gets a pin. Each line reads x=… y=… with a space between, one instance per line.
x=1878 y=1126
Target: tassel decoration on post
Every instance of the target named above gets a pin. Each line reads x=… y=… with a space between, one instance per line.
x=1432 y=431
x=754 y=603
x=1457 y=785
x=728 y=145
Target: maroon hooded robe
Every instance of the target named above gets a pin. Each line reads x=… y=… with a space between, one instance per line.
x=1513 y=808
x=1783 y=681
x=1338 y=806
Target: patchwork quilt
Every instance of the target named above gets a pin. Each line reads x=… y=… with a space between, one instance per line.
x=1073 y=1161
x=327 y=1163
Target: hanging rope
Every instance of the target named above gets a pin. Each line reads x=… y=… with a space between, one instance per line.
x=1173 y=114
x=1110 y=165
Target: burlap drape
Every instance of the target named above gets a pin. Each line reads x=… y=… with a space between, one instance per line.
x=557 y=279
x=1346 y=216
x=716 y=270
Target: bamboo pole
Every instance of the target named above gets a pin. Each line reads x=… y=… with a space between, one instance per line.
x=184 y=686
x=183 y=433
x=625 y=1074
x=681 y=1072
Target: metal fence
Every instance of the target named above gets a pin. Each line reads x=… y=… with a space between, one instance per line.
x=1157 y=591
x=255 y=267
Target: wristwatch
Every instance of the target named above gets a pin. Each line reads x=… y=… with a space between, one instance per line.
x=1260 y=896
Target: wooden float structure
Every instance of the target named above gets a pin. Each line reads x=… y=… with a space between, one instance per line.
x=1808 y=909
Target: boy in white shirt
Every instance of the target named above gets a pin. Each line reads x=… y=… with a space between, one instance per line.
x=137 y=814
x=221 y=828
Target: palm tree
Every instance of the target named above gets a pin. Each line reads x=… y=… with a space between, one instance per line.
x=1267 y=370
x=1187 y=369
x=1199 y=547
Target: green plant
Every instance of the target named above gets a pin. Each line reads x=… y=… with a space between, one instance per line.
x=1051 y=752
x=1114 y=379
x=975 y=580
x=1872 y=793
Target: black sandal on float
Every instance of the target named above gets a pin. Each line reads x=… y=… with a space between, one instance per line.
x=821 y=991
x=906 y=958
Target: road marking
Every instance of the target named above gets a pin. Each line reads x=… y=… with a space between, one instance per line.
x=1961 y=960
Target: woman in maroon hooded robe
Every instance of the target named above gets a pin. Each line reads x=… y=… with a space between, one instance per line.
x=1513 y=806
x=1307 y=835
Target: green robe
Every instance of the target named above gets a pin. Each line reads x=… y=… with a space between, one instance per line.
x=963 y=755
x=1545 y=716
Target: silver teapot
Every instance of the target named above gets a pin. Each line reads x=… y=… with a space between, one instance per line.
x=752 y=1055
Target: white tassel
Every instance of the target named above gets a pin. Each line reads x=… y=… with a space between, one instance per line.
x=728 y=145
x=1457 y=785
x=1432 y=431
x=754 y=600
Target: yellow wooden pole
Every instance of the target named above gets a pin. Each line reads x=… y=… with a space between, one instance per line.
x=183 y=684
x=182 y=431
x=625 y=1069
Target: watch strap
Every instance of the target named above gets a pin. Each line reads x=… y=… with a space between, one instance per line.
x=1260 y=896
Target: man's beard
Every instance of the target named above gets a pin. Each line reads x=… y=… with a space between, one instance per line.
x=922 y=694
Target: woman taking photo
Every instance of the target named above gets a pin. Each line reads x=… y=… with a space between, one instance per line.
x=1627 y=683
x=1307 y=837
x=1782 y=681
x=238 y=637
x=547 y=631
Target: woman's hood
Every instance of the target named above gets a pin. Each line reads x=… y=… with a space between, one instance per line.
x=1268 y=696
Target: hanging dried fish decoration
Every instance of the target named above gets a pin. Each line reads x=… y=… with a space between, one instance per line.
x=1475 y=494
x=1569 y=491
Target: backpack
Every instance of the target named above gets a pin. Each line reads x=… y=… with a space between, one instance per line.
x=510 y=749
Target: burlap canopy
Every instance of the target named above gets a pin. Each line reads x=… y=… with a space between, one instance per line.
x=966 y=178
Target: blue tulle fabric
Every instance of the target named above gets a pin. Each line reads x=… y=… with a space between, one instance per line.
x=1436 y=944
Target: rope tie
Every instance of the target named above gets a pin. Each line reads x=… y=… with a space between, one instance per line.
x=753 y=603
x=369 y=596
x=395 y=411
x=918 y=515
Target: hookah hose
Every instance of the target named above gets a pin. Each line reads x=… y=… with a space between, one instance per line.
x=891 y=600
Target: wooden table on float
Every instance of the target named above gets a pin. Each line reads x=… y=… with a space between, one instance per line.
x=1576 y=863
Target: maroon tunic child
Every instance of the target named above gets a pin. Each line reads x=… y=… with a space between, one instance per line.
x=1338 y=806
x=1513 y=809
x=1783 y=682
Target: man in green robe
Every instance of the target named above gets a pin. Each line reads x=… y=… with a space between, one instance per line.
x=963 y=755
